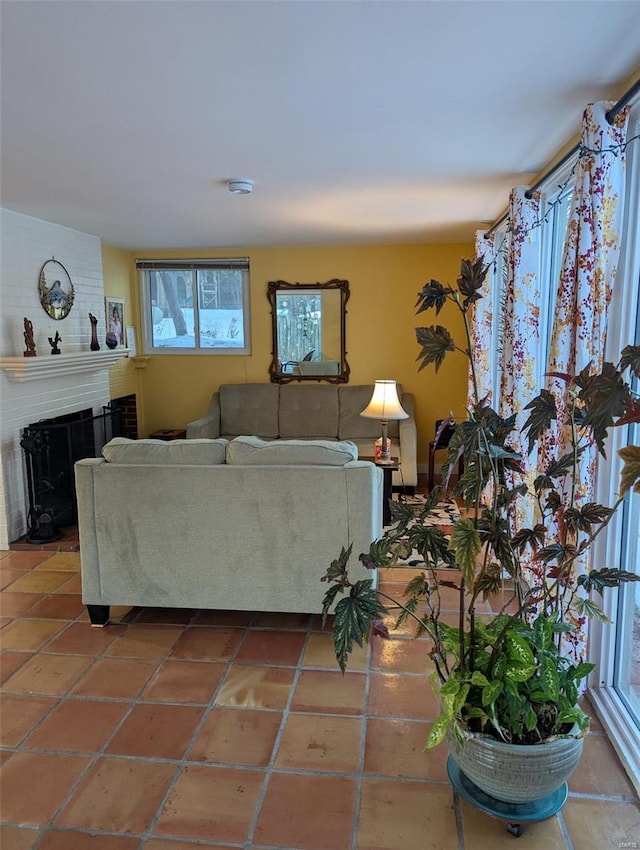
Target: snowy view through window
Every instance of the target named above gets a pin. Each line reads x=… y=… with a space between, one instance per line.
x=218 y=323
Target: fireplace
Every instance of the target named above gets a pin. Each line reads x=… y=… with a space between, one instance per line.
x=51 y=447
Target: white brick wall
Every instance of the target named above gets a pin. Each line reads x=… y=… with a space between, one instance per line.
x=26 y=243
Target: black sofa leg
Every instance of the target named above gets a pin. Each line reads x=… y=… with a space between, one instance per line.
x=99 y=615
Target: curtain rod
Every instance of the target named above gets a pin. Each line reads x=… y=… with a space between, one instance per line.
x=610 y=115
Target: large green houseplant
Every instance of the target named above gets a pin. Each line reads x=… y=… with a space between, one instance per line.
x=507 y=676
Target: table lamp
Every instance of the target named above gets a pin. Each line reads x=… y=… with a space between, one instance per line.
x=384 y=405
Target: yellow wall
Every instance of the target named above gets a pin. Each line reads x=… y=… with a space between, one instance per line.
x=384 y=282
x=116 y=271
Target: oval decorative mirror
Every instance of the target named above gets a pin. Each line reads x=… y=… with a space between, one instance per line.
x=55 y=289
x=308 y=322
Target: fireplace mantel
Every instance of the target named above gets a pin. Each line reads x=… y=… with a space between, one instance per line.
x=36 y=368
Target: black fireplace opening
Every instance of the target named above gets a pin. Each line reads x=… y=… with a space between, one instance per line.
x=51 y=447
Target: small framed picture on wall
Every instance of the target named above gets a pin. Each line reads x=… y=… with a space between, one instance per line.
x=114 y=309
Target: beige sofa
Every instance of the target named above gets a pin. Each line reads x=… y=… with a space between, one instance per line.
x=241 y=525
x=320 y=411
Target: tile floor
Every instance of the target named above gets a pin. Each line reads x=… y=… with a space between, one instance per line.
x=175 y=729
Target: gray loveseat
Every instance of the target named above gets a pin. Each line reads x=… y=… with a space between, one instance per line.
x=298 y=411
x=245 y=525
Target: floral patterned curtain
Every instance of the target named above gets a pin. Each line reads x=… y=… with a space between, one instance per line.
x=587 y=274
x=482 y=329
x=520 y=354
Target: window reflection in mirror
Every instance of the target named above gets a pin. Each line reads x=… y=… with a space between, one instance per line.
x=308 y=331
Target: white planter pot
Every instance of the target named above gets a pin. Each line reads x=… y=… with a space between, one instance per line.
x=517 y=773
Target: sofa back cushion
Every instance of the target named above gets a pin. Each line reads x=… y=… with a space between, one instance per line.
x=256 y=452
x=164 y=453
x=249 y=409
x=308 y=411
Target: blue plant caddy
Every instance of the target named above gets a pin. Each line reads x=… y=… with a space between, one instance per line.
x=513 y=814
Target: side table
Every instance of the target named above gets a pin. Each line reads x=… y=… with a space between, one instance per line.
x=169 y=434
x=387 y=469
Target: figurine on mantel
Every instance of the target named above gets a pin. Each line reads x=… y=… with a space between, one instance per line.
x=95 y=345
x=28 y=339
x=55 y=343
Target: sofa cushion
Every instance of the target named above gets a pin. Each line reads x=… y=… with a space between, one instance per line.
x=308 y=411
x=249 y=409
x=352 y=426
x=165 y=453
x=256 y=452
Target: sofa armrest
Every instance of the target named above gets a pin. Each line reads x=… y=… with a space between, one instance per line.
x=408 y=474
x=208 y=427
x=84 y=476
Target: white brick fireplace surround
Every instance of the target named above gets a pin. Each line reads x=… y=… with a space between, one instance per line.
x=48 y=390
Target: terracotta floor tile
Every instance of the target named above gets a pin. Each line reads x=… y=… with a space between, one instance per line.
x=237 y=736
x=156 y=731
x=602 y=824
x=15 y=838
x=599 y=770
x=63 y=606
x=397 y=814
x=212 y=803
x=13 y=604
x=80 y=726
x=19 y=715
x=142 y=641
x=401 y=656
x=238 y=619
x=38 y=582
x=10 y=576
x=10 y=662
x=256 y=687
x=318 y=742
x=34 y=785
x=118 y=795
x=403 y=695
x=396 y=748
x=208 y=644
x=81 y=639
x=73 y=584
x=482 y=832
x=116 y=678
x=66 y=561
x=320 y=652
x=326 y=690
x=65 y=840
x=185 y=681
x=267 y=647
x=307 y=812
x=48 y=674
x=282 y=620
x=24 y=560
x=162 y=844
x=29 y=635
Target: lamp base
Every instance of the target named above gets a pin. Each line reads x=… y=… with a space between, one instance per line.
x=382 y=451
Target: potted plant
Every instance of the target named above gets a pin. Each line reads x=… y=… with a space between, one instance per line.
x=507 y=682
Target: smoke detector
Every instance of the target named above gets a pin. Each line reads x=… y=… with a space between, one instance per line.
x=240 y=186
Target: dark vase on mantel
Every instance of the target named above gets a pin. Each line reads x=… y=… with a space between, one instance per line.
x=95 y=345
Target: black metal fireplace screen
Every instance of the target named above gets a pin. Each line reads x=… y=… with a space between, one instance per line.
x=51 y=447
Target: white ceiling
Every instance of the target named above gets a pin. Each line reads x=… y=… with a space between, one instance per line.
x=369 y=121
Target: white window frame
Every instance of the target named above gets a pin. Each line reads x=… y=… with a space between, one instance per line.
x=191 y=265
x=611 y=709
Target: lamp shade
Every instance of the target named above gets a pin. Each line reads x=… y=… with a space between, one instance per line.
x=384 y=404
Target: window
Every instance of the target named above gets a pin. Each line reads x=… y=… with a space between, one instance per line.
x=195 y=306
x=614 y=687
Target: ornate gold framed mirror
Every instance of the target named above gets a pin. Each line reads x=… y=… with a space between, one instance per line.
x=309 y=331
